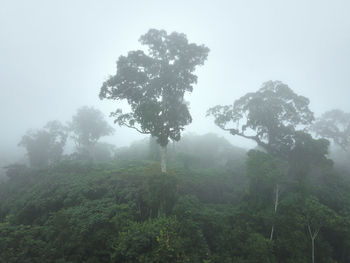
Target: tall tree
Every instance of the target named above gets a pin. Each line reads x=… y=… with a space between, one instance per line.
x=316 y=216
x=154 y=84
x=88 y=126
x=334 y=125
x=36 y=144
x=45 y=146
x=269 y=117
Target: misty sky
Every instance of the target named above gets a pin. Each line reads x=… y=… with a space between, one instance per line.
x=54 y=55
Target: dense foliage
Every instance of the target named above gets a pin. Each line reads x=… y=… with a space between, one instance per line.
x=127 y=211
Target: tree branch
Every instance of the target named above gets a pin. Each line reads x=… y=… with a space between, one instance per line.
x=309 y=228
x=255 y=138
x=133 y=127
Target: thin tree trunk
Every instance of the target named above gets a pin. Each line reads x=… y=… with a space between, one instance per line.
x=163 y=159
x=272 y=230
x=276 y=206
x=313 y=249
x=313 y=237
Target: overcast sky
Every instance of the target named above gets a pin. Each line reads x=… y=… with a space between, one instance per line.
x=54 y=55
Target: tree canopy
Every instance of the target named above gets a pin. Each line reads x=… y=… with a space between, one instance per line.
x=154 y=84
x=269 y=116
x=45 y=146
x=334 y=125
x=88 y=126
x=308 y=153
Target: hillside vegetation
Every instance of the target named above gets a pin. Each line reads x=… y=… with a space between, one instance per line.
x=217 y=207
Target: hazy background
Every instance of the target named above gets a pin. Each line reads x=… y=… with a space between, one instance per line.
x=54 y=55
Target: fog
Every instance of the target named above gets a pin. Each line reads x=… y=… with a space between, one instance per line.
x=55 y=55
x=250 y=166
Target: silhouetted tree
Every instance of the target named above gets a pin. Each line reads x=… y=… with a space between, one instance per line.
x=88 y=126
x=45 y=146
x=154 y=85
x=334 y=125
x=269 y=117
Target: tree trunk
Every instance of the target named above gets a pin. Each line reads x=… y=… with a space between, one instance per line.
x=163 y=159
x=313 y=237
x=272 y=230
x=277 y=191
x=313 y=249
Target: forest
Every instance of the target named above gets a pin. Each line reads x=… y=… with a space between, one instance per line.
x=175 y=196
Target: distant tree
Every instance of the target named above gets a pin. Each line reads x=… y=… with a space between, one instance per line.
x=103 y=152
x=15 y=170
x=334 y=125
x=154 y=85
x=36 y=144
x=269 y=117
x=207 y=151
x=154 y=149
x=316 y=216
x=45 y=146
x=88 y=126
x=59 y=134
